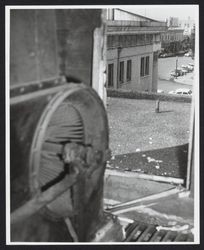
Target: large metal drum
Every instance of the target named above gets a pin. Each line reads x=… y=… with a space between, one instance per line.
x=41 y=123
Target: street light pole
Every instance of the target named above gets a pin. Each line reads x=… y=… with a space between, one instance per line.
x=176 y=65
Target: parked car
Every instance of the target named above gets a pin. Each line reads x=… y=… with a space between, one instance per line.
x=191 y=64
x=184 y=71
x=177 y=72
x=163 y=55
x=188 y=54
x=190 y=67
x=181 y=92
x=171 y=92
x=174 y=74
x=160 y=91
x=185 y=67
x=180 y=72
x=184 y=92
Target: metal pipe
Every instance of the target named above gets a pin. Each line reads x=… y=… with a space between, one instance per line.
x=117 y=209
x=165 y=179
x=40 y=200
x=176 y=66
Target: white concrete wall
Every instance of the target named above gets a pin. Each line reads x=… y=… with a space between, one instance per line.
x=157 y=46
x=134 y=54
x=121 y=15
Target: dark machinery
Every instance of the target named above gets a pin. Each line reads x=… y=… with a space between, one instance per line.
x=45 y=129
x=58 y=128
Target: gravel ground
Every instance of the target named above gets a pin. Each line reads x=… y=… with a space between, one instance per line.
x=149 y=142
x=164 y=162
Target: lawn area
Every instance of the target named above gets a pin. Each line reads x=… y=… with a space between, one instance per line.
x=135 y=126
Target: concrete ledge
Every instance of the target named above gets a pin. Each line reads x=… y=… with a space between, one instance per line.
x=126 y=206
x=165 y=179
x=124 y=187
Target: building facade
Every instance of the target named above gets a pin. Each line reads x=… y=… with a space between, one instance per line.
x=172 y=40
x=187 y=26
x=133 y=44
x=172 y=35
x=173 y=22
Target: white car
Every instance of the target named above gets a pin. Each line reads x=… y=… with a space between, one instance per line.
x=185 y=67
x=188 y=54
x=172 y=92
x=160 y=91
x=184 y=71
x=181 y=92
x=190 y=67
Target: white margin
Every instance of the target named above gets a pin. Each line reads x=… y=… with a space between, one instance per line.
x=197 y=134
x=7 y=115
x=7 y=109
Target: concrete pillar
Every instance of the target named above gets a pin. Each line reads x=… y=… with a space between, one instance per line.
x=99 y=64
x=75 y=32
x=155 y=72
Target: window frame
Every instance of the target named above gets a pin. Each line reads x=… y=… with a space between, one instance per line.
x=121 y=72
x=142 y=63
x=110 y=75
x=144 y=66
x=129 y=70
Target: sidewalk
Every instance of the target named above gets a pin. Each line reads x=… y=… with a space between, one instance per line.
x=187 y=79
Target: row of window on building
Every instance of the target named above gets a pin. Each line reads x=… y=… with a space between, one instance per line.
x=173 y=37
x=114 y=41
x=144 y=70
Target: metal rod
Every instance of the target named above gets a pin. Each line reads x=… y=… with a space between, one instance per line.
x=130 y=236
x=120 y=207
x=42 y=199
x=176 y=66
x=154 y=236
x=144 y=234
x=171 y=180
x=166 y=237
x=71 y=229
x=177 y=237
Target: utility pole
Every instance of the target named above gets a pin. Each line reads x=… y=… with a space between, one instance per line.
x=157 y=106
x=176 y=65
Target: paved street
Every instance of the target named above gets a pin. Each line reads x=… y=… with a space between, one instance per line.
x=165 y=66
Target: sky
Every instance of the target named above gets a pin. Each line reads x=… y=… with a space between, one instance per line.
x=161 y=12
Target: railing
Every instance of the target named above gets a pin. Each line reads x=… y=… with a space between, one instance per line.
x=136 y=23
